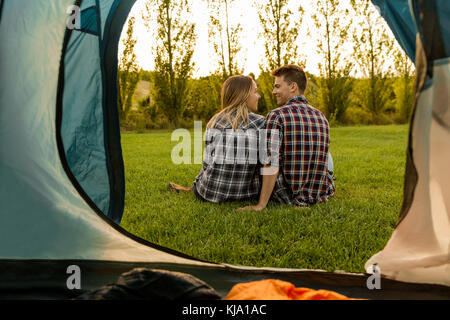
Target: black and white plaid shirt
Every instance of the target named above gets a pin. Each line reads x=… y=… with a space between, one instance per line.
x=231 y=167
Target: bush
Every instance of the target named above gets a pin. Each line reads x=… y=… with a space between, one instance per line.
x=356 y=116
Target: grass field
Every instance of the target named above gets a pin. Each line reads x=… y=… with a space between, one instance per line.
x=338 y=235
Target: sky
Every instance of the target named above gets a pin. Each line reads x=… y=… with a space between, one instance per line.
x=252 y=52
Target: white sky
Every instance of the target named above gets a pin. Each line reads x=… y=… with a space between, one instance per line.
x=252 y=52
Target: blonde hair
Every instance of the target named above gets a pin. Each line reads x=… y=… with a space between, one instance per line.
x=235 y=92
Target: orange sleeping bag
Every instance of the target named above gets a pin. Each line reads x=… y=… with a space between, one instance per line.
x=273 y=289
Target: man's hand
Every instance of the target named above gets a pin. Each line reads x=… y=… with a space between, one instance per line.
x=257 y=207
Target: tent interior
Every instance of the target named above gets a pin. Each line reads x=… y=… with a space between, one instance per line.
x=62 y=173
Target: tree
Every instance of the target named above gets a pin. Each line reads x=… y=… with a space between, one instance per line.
x=203 y=99
x=334 y=84
x=224 y=37
x=372 y=47
x=128 y=75
x=173 y=62
x=265 y=87
x=312 y=89
x=280 y=32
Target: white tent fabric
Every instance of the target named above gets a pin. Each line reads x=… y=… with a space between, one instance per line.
x=419 y=249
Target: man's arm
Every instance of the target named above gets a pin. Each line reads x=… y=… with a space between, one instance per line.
x=268 y=184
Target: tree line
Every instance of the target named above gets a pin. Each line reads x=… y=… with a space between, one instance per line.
x=380 y=95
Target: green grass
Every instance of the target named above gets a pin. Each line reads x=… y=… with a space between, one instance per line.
x=341 y=234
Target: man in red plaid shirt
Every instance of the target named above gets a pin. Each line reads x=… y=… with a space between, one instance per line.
x=301 y=175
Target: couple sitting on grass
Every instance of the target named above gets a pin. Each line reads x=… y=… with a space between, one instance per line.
x=283 y=157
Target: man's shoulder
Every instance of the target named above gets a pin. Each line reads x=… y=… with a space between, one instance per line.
x=313 y=109
x=275 y=113
x=290 y=113
x=281 y=112
x=303 y=106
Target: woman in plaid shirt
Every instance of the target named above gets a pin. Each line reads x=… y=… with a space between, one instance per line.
x=231 y=168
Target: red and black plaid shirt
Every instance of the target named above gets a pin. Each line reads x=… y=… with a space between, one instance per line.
x=304 y=134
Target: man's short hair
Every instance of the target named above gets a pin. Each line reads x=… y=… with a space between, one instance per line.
x=292 y=73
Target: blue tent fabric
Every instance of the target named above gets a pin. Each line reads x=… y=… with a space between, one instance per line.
x=110 y=45
x=405 y=20
x=433 y=25
x=92 y=147
x=443 y=11
x=89 y=20
x=398 y=16
x=82 y=122
x=1 y=9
